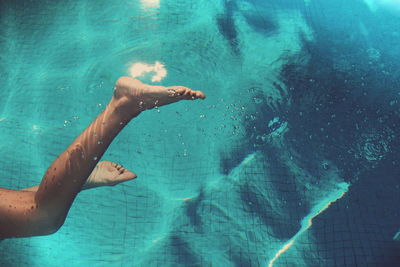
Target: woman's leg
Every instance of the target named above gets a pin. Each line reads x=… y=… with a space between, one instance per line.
x=43 y=212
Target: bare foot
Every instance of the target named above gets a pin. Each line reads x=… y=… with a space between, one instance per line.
x=139 y=96
x=107 y=173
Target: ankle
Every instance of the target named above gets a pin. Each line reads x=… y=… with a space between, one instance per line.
x=123 y=107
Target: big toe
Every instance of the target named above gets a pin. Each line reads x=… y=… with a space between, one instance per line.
x=127 y=175
x=199 y=94
x=124 y=174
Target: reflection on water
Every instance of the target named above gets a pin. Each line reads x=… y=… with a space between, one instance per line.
x=150 y=3
x=156 y=71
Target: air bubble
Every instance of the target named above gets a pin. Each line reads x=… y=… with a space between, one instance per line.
x=325 y=165
x=171 y=92
x=67 y=123
x=257 y=100
x=94 y=158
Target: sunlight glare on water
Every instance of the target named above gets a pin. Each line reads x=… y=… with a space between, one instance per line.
x=156 y=70
x=150 y=3
x=374 y=5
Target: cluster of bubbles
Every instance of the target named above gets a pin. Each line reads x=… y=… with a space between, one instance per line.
x=373 y=147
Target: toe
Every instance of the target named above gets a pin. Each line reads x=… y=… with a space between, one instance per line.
x=200 y=94
x=128 y=175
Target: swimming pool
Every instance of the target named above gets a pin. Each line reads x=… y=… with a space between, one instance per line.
x=291 y=160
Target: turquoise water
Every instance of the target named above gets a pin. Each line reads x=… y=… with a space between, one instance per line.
x=290 y=161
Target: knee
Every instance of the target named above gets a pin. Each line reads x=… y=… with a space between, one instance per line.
x=55 y=224
x=49 y=222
